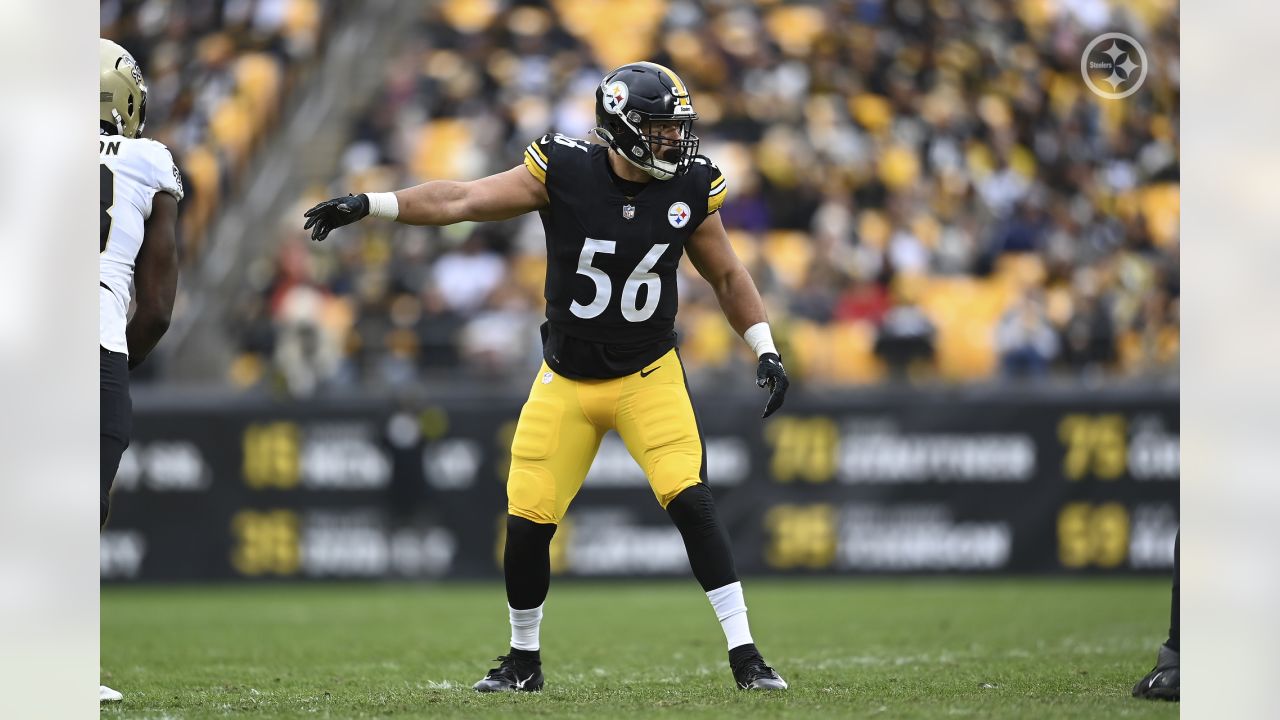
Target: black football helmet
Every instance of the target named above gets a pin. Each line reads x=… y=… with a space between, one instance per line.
x=633 y=104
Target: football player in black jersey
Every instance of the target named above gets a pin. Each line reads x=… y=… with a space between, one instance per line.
x=617 y=217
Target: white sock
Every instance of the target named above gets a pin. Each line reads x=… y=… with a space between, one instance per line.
x=524 y=627
x=731 y=611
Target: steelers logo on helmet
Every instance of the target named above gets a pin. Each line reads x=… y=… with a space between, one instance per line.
x=615 y=97
x=678 y=215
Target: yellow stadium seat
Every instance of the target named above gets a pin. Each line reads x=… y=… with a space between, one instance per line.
x=837 y=353
x=529 y=272
x=1129 y=350
x=201 y=168
x=871 y=111
x=617 y=31
x=873 y=229
x=439 y=144
x=302 y=18
x=965 y=312
x=1168 y=344
x=926 y=227
x=853 y=353
x=795 y=27
x=1160 y=205
x=808 y=342
x=789 y=253
x=337 y=315
x=899 y=167
x=246 y=370
x=744 y=246
x=1023 y=270
x=469 y=15
x=232 y=129
x=258 y=80
x=708 y=340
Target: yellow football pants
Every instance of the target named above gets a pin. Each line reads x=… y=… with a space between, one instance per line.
x=563 y=422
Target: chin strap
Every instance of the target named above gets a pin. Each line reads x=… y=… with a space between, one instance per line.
x=606 y=136
x=119 y=121
x=652 y=170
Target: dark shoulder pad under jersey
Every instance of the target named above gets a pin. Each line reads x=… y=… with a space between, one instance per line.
x=717 y=186
x=541 y=155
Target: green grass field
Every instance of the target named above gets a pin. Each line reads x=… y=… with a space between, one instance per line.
x=882 y=649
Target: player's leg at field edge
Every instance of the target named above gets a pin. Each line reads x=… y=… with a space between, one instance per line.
x=1164 y=682
x=526 y=567
x=1174 y=640
x=693 y=512
x=706 y=542
x=114 y=422
x=115 y=425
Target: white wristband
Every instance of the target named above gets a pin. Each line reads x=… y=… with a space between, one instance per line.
x=760 y=339
x=384 y=205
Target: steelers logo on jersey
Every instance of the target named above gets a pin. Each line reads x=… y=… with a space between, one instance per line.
x=615 y=97
x=678 y=215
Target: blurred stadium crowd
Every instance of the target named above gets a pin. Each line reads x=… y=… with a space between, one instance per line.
x=217 y=74
x=923 y=189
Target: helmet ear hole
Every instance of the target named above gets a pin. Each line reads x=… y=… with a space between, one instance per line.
x=130 y=104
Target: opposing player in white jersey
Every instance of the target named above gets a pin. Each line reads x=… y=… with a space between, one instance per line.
x=140 y=190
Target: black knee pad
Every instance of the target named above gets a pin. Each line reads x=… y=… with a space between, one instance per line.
x=527 y=562
x=694 y=513
x=527 y=533
x=694 y=510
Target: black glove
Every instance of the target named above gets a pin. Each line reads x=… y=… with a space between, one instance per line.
x=335 y=213
x=771 y=373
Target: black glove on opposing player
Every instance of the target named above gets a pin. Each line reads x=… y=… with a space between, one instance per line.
x=771 y=373
x=335 y=213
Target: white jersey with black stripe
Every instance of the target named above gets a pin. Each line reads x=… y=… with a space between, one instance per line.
x=131 y=172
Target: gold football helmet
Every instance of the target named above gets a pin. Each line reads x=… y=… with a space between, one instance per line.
x=123 y=96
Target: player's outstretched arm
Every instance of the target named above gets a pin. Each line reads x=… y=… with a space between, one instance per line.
x=438 y=202
x=713 y=256
x=155 y=278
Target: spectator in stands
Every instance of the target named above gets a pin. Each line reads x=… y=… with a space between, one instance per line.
x=906 y=337
x=1089 y=335
x=1025 y=339
x=466 y=277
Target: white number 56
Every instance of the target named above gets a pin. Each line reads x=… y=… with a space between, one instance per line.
x=630 y=289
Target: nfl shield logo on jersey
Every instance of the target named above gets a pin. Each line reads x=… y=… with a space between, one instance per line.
x=678 y=214
x=628 y=212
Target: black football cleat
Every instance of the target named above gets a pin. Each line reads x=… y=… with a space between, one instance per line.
x=1163 y=682
x=515 y=674
x=751 y=672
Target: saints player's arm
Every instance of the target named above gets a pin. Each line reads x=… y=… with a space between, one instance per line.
x=438 y=202
x=712 y=255
x=155 y=278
